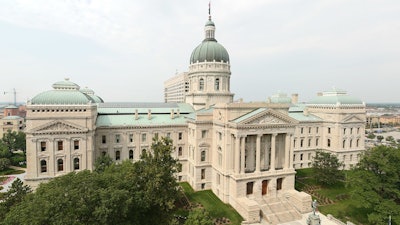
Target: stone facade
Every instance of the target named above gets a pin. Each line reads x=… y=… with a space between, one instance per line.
x=246 y=153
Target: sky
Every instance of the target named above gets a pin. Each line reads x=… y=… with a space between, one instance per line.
x=125 y=49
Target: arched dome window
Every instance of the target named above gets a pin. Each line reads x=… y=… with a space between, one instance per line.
x=201 y=84
x=217 y=84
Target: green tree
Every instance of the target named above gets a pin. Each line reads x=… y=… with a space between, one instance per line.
x=380 y=138
x=326 y=168
x=156 y=174
x=199 y=216
x=102 y=163
x=389 y=138
x=137 y=193
x=376 y=182
x=371 y=136
x=4 y=163
x=14 y=141
x=13 y=196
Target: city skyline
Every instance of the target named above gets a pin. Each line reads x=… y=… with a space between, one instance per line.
x=124 y=51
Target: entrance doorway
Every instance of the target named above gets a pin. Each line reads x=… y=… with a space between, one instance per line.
x=264 y=187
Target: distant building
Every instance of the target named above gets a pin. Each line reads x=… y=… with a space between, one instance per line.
x=11 y=120
x=176 y=88
x=245 y=152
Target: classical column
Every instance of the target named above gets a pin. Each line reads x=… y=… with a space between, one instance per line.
x=258 y=152
x=287 y=150
x=237 y=154
x=242 y=152
x=273 y=151
x=291 y=149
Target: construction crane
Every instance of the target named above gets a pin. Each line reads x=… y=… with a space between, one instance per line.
x=15 y=95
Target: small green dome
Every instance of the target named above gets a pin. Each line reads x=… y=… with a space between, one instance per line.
x=64 y=93
x=210 y=23
x=61 y=97
x=90 y=92
x=209 y=50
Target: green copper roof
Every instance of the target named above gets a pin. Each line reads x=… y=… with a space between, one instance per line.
x=65 y=85
x=209 y=50
x=142 y=120
x=248 y=115
x=62 y=97
x=334 y=97
x=143 y=108
x=299 y=116
x=90 y=92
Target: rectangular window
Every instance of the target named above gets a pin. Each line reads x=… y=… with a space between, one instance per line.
x=168 y=135
x=316 y=130
x=309 y=142
x=309 y=130
x=43 y=146
x=180 y=135
x=279 y=183
x=220 y=136
x=249 y=188
x=59 y=145
x=76 y=144
x=156 y=135
x=301 y=130
x=103 y=139
x=203 y=134
x=117 y=138
x=329 y=130
x=131 y=138
x=144 y=137
x=203 y=174
x=316 y=142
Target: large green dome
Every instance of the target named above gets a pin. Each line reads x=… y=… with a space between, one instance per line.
x=209 y=50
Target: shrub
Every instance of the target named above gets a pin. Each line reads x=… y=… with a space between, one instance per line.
x=4 y=164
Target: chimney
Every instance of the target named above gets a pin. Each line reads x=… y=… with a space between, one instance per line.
x=136 y=114
x=305 y=112
x=295 y=98
x=172 y=114
x=149 y=114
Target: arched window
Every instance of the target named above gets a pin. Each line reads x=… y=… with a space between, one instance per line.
x=130 y=154
x=180 y=151
x=203 y=156
x=344 y=143
x=358 y=140
x=217 y=84
x=60 y=165
x=117 y=155
x=329 y=142
x=351 y=143
x=43 y=166
x=76 y=163
x=201 y=84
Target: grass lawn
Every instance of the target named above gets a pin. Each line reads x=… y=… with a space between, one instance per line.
x=212 y=204
x=344 y=207
x=10 y=171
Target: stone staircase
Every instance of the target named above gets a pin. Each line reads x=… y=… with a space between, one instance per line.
x=277 y=210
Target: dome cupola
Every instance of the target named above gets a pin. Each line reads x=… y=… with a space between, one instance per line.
x=209 y=50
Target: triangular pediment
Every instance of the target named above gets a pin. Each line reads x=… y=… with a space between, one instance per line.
x=352 y=119
x=266 y=117
x=59 y=127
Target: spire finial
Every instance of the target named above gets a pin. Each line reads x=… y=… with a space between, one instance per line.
x=209 y=10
